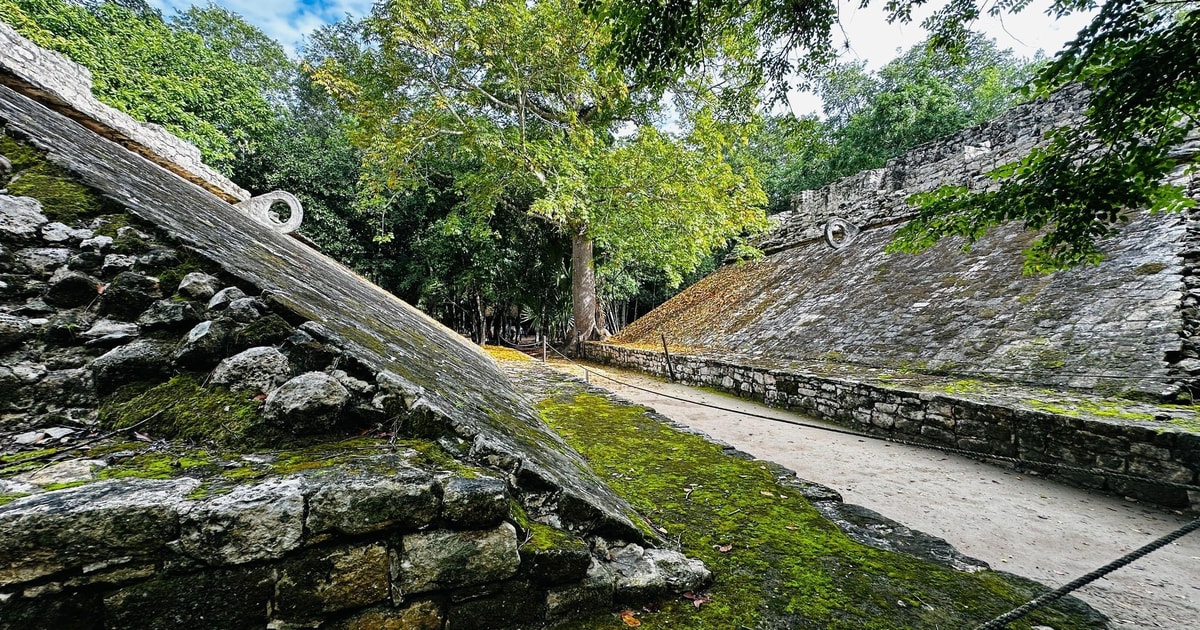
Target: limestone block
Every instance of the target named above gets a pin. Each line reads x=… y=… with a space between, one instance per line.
x=198 y=286
x=21 y=218
x=474 y=502
x=309 y=402
x=405 y=500
x=257 y=522
x=47 y=533
x=259 y=369
x=443 y=559
x=641 y=573
x=43 y=261
x=323 y=581
x=14 y=329
x=420 y=615
x=209 y=600
x=141 y=360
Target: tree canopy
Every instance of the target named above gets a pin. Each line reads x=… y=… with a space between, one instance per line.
x=1137 y=61
x=156 y=71
x=511 y=96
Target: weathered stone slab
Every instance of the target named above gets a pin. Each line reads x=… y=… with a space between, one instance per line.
x=44 y=534
x=258 y=522
x=324 y=581
x=361 y=505
x=443 y=559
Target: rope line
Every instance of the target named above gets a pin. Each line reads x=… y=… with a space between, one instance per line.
x=1000 y=622
x=938 y=447
x=1087 y=578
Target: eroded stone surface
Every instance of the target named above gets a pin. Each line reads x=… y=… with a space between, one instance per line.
x=259 y=369
x=44 y=534
x=359 y=505
x=250 y=523
x=450 y=559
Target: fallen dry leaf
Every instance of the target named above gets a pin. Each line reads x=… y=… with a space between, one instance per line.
x=725 y=548
x=767 y=494
x=629 y=619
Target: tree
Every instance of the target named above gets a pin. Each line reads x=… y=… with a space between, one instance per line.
x=515 y=94
x=1136 y=60
x=873 y=116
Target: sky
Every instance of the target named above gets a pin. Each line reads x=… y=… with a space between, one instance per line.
x=870 y=37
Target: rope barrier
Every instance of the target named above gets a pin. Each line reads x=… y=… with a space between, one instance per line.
x=938 y=447
x=1088 y=578
x=1003 y=620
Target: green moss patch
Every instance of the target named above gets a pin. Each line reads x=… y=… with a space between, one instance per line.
x=182 y=409
x=777 y=562
x=63 y=198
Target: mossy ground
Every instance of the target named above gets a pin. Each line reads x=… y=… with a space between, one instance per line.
x=787 y=567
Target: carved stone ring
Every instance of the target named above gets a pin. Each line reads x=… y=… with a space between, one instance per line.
x=840 y=232
x=260 y=209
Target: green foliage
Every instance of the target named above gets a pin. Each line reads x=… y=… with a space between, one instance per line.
x=507 y=105
x=870 y=117
x=663 y=41
x=1136 y=60
x=155 y=71
x=1137 y=63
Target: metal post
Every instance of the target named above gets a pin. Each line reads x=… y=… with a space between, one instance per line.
x=543 y=349
x=670 y=367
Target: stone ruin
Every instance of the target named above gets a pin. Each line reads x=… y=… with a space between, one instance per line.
x=830 y=324
x=336 y=458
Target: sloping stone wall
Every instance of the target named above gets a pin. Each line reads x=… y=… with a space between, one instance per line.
x=67 y=86
x=466 y=512
x=448 y=380
x=1113 y=328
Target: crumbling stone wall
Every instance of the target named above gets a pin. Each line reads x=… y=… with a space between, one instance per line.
x=210 y=355
x=1120 y=327
x=997 y=427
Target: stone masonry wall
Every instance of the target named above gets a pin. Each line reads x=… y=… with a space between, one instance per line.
x=382 y=544
x=67 y=86
x=1120 y=327
x=1140 y=448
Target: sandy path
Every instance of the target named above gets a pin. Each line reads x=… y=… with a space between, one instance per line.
x=1027 y=525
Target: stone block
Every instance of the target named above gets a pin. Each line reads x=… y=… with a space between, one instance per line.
x=474 y=502
x=353 y=505
x=324 y=581
x=594 y=593
x=445 y=559
x=256 y=522
x=57 y=531
x=210 y=600
x=420 y=615
x=516 y=604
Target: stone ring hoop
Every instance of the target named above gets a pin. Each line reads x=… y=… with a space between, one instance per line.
x=840 y=232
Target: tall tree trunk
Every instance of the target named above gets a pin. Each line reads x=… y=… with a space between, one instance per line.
x=583 y=287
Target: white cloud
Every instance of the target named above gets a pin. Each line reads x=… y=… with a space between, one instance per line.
x=873 y=40
x=286 y=21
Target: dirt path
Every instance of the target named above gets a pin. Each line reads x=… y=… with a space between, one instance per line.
x=1029 y=526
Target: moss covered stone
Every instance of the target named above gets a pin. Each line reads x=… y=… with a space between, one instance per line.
x=182 y=409
x=63 y=198
x=785 y=564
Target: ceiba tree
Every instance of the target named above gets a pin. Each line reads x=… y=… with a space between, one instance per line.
x=1137 y=62
x=515 y=95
